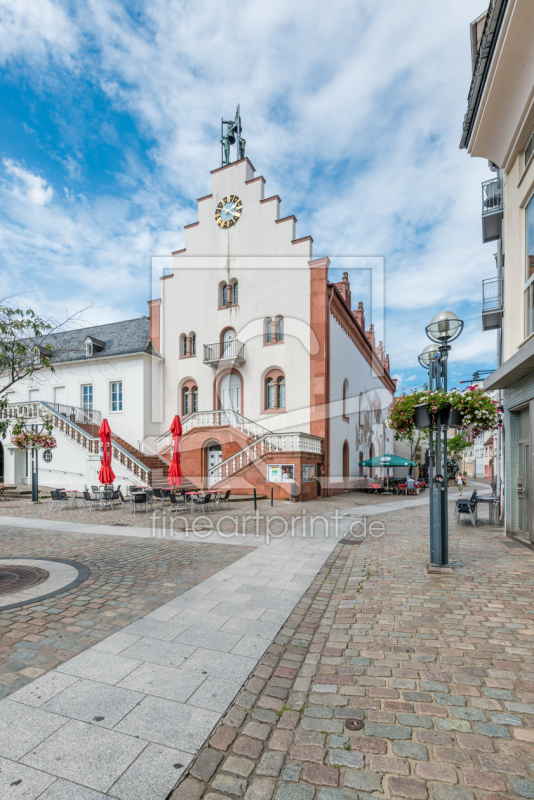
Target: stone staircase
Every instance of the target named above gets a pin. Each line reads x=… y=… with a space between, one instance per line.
x=158 y=464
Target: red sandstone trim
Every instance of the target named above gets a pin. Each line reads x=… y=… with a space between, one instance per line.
x=343 y=314
x=176 y=252
x=303 y=239
x=252 y=180
x=320 y=362
x=206 y=197
x=192 y=225
x=284 y=219
x=233 y=164
x=268 y=199
x=164 y=277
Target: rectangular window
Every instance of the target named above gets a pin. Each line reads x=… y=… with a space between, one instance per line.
x=529 y=310
x=187 y=405
x=529 y=222
x=529 y=149
x=195 y=399
x=308 y=472
x=87 y=397
x=34 y=395
x=116 y=396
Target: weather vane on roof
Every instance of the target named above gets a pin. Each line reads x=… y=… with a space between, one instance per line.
x=232 y=136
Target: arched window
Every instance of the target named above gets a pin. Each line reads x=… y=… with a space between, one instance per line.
x=183 y=345
x=281 y=392
x=270 y=331
x=189 y=397
x=360 y=459
x=345 y=391
x=360 y=410
x=235 y=293
x=193 y=344
x=270 y=393
x=280 y=329
x=346 y=461
x=275 y=391
x=225 y=295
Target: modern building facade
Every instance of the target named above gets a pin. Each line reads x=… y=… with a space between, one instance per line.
x=499 y=126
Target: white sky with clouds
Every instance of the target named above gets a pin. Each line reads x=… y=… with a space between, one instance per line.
x=352 y=111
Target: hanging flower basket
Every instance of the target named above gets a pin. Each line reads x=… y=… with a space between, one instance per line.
x=472 y=408
x=28 y=440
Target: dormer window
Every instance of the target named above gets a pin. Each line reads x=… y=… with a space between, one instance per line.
x=93 y=346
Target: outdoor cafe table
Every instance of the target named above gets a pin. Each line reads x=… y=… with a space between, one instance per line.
x=72 y=492
x=493 y=510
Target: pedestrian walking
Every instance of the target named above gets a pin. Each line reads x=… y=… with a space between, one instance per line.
x=460 y=480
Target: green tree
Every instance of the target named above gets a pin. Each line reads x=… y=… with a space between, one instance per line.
x=456 y=445
x=413 y=439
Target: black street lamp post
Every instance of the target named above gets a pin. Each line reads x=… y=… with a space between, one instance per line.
x=443 y=329
x=36 y=428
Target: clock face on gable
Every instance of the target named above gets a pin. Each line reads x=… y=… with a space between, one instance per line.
x=228 y=211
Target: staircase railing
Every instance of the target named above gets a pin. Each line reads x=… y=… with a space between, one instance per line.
x=91 y=444
x=270 y=443
x=209 y=419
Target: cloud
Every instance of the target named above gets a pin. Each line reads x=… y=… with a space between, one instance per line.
x=352 y=112
x=28 y=185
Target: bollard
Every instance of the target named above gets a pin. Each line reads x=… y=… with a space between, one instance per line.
x=272 y=494
x=255 y=501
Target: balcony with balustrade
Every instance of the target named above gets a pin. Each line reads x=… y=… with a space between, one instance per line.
x=232 y=351
x=492 y=303
x=492 y=209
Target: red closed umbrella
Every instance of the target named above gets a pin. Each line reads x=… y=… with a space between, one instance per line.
x=175 y=471
x=106 y=473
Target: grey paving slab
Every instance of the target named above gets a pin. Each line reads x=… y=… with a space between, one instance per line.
x=43 y=689
x=18 y=782
x=172 y=724
x=160 y=681
x=211 y=620
x=273 y=603
x=215 y=694
x=259 y=591
x=249 y=627
x=166 y=630
x=156 y=651
x=251 y=646
x=116 y=643
x=220 y=665
x=86 y=754
x=94 y=702
x=218 y=595
x=99 y=666
x=163 y=612
x=274 y=616
x=65 y=790
x=233 y=610
x=152 y=775
x=22 y=727
x=211 y=640
x=198 y=603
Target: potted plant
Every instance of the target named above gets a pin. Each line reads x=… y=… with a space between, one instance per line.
x=29 y=440
x=420 y=409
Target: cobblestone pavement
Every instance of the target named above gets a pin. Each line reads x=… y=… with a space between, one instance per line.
x=440 y=670
x=128 y=579
x=235 y=511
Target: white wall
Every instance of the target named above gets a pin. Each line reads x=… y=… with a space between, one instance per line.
x=133 y=423
x=346 y=362
x=274 y=279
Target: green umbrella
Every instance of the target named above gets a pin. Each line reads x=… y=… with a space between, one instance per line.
x=387 y=460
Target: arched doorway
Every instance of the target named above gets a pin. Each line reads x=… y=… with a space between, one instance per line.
x=346 y=463
x=214 y=458
x=230 y=392
x=372 y=471
x=228 y=343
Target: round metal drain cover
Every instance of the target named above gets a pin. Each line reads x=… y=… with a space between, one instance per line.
x=354 y=724
x=15 y=579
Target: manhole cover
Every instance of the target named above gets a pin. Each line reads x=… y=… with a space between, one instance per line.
x=354 y=724
x=14 y=579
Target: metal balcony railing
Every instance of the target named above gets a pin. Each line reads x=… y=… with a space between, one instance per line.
x=492 y=303
x=76 y=414
x=492 y=196
x=220 y=351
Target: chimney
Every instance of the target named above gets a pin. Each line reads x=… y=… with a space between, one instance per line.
x=344 y=288
x=360 y=317
x=154 y=324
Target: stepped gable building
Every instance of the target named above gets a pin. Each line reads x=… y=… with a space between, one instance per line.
x=277 y=381
x=272 y=371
